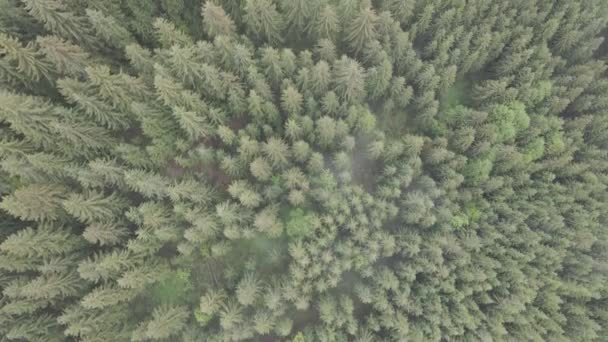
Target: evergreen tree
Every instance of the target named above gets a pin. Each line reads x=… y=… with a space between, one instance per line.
x=109 y=29
x=105 y=233
x=263 y=20
x=216 y=21
x=362 y=29
x=349 y=78
x=45 y=241
x=35 y=203
x=25 y=60
x=93 y=206
x=327 y=22
x=59 y=20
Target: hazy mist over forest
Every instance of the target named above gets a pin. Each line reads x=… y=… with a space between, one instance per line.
x=303 y=170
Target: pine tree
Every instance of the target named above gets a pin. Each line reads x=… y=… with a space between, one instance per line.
x=320 y=78
x=29 y=116
x=299 y=15
x=263 y=323
x=327 y=23
x=42 y=327
x=379 y=79
x=231 y=315
x=93 y=206
x=27 y=60
x=105 y=170
x=169 y=35
x=35 y=202
x=140 y=277
x=260 y=169
x=109 y=29
x=194 y=125
x=66 y=58
x=57 y=19
x=325 y=50
x=268 y=222
x=326 y=129
x=108 y=323
x=105 y=233
x=247 y=289
x=402 y=10
x=277 y=151
x=45 y=241
x=148 y=184
x=216 y=21
x=349 y=78
x=166 y=322
x=104 y=296
x=119 y=89
x=81 y=138
x=362 y=29
x=106 y=266
x=52 y=286
x=291 y=101
x=263 y=20
x=245 y=194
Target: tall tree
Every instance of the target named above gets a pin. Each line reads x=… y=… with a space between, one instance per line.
x=263 y=20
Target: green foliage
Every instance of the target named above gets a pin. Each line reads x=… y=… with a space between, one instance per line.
x=295 y=170
x=299 y=338
x=35 y=203
x=509 y=119
x=109 y=29
x=174 y=288
x=247 y=290
x=24 y=60
x=299 y=223
x=457 y=94
x=349 y=79
x=362 y=29
x=166 y=321
x=263 y=20
x=57 y=18
x=93 y=206
x=216 y=21
x=478 y=170
x=45 y=241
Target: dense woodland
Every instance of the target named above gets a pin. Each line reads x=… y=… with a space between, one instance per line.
x=303 y=170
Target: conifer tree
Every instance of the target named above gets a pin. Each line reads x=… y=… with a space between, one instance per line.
x=93 y=206
x=277 y=151
x=168 y=35
x=26 y=60
x=327 y=22
x=291 y=101
x=349 y=79
x=216 y=21
x=35 y=203
x=362 y=29
x=109 y=29
x=105 y=233
x=45 y=241
x=165 y=322
x=59 y=20
x=105 y=296
x=66 y=58
x=263 y=20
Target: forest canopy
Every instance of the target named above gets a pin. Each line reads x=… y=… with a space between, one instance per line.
x=303 y=170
